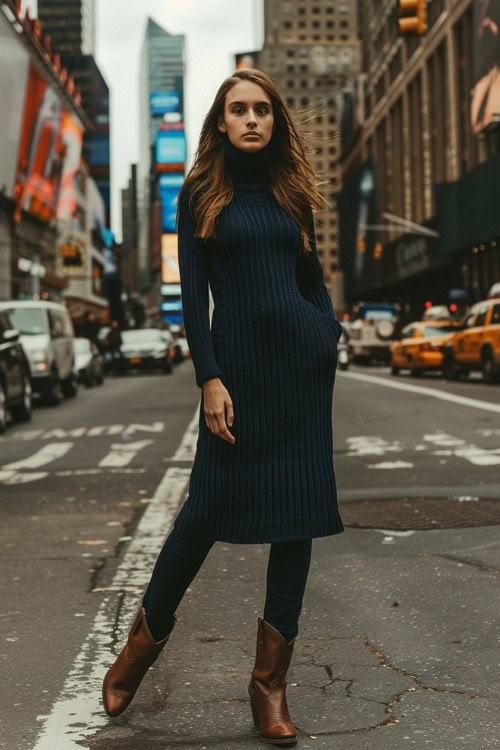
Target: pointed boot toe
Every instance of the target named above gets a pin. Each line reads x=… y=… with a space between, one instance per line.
x=124 y=677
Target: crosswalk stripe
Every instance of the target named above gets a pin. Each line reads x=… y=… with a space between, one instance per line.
x=122 y=454
x=47 y=454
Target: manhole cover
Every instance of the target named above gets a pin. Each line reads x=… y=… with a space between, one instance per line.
x=420 y=513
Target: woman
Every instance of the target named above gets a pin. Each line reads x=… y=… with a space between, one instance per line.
x=263 y=470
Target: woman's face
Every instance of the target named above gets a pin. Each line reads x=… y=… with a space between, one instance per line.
x=247 y=110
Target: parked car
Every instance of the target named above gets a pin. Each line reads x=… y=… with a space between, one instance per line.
x=89 y=362
x=46 y=334
x=420 y=347
x=476 y=344
x=15 y=380
x=146 y=349
x=372 y=330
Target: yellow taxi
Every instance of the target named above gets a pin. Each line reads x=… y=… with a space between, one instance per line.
x=420 y=346
x=476 y=344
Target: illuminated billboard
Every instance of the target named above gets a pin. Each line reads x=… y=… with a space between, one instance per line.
x=170 y=259
x=41 y=150
x=164 y=101
x=170 y=184
x=486 y=69
x=170 y=150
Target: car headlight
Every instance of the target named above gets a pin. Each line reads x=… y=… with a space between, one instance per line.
x=159 y=354
x=38 y=355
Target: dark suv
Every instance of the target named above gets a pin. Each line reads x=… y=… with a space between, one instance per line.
x=15 y=382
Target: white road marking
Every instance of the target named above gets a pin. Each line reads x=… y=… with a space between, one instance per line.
x=82 y=472
x=391 y=465
x=45 y=455
x=461 y=449
x=122 y=454
x=16 y=477
x=423 y=391
x=77 y=432
x=78 y=713
x=371 y=445
x=395 y=533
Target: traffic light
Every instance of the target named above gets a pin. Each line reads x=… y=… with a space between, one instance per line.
x=416 y=23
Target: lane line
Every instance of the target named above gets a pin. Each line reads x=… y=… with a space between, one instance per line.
x=122 y=454
x=45 y=455
x=77 y=714
x=423 y=391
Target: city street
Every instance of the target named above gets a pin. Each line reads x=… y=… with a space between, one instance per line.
x=399 y=633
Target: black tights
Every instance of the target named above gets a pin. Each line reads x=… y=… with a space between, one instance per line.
x=181 y=558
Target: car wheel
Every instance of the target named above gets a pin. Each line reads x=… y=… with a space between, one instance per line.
x=70 y=386
x=167 y=367
x=394 y=370
x=3 y=409
x=53 y=394
x=22 y=412
x=488 y=367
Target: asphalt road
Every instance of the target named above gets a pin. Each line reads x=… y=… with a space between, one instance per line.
x=400 y=629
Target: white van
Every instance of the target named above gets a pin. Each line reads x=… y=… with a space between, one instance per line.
x=46 y=334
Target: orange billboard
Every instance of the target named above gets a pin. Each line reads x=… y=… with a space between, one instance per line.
x=169 y=259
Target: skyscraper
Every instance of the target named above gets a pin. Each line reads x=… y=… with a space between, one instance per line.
x=162 y=149
x=311 y=48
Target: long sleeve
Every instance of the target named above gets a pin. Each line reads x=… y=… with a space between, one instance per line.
x=309 y=275
x=193 y=267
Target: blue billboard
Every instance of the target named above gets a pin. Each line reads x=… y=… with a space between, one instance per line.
x=164 y=101
x=170 y=184
x=170 y=147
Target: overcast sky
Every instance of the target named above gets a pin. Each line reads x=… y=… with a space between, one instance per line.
x=214 y=29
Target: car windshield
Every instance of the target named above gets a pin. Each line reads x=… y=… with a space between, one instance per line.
x=28 y=320
x=82 y=346
x=438 y=330
x=143 y=336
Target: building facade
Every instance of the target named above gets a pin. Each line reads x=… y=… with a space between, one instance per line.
x=42 y=124
x=311 y=49
x=71 y=26
x=421 y=171
x=162 y=149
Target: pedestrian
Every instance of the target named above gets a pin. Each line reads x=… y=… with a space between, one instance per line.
x=263 y=470
x=115 y=343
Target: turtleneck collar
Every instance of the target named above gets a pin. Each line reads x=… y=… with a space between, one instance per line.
x=247 y=169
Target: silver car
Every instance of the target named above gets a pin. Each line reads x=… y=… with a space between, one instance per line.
x=46 y=334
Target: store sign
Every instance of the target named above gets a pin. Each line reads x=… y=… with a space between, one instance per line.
x=412 y=256
x=72 y=255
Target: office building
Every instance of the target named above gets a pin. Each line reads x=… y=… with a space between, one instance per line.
x=311 y=49
x=423 y=166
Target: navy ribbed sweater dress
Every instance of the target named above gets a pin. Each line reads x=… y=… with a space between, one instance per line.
x=273 y=343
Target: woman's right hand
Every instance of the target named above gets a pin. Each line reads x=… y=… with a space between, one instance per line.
x=218 y=408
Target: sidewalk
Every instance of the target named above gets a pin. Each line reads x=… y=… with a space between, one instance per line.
x=398 y=647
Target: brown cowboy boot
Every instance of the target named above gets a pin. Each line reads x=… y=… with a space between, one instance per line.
x=267 y=688
x=124 y=677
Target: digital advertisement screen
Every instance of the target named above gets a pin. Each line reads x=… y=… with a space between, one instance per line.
x=164 y=101
x=170 y=184
x=169 y=259
x=170 y=147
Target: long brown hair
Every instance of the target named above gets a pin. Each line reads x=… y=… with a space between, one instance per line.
x=291 y=177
